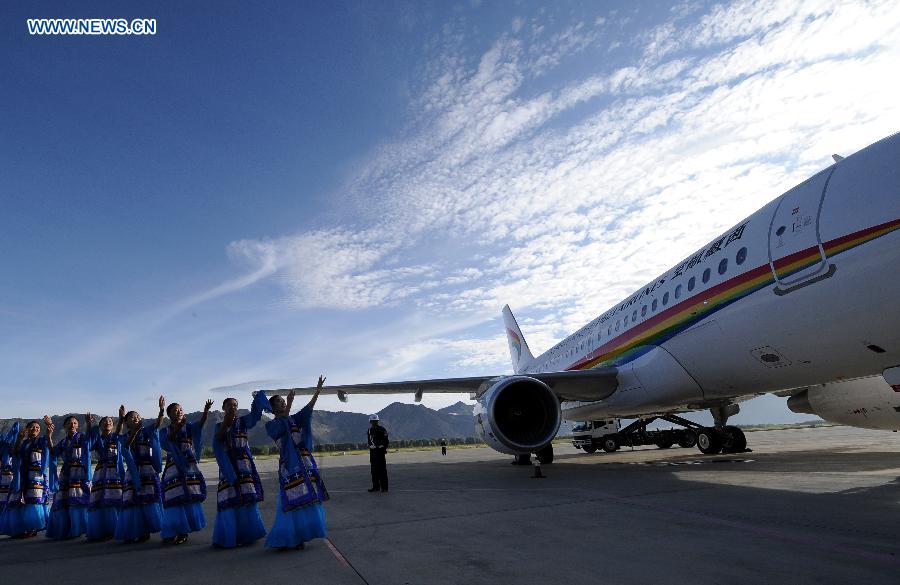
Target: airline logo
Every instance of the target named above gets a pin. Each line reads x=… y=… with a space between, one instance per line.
x=515 y=343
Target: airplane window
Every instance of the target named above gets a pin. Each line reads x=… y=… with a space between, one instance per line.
x=706 y=276
x=678 y=291
x=617 y=325
x=741 y=256
x=643 y=310
x=653 y=307
x=666 y=298
x=723 y=265
x=692 y=282
x=609 y=330
x=634 y=316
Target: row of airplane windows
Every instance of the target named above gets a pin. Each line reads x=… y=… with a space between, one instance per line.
x=739 y=258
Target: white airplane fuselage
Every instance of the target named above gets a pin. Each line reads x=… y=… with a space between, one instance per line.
x=804 y=292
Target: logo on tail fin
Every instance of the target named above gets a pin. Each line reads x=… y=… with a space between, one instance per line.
x=515 y=342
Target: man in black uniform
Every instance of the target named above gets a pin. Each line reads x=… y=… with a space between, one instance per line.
x=378 y=444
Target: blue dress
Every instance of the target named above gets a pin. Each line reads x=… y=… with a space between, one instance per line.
x=237 y=518
x=107 y=486
x=7 y=459
x=26 y=508
x=141 y=512
x=184 y=487
x=299 y=515
x=72 y=487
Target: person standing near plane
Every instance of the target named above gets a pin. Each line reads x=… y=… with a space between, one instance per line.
x=443 y=446
x=26 y=513
x=7 y=457
x=299 y=515
x=184 y=487
x=107 y=483
x=141 y=512
x=240 y=490
x=72 y=484
x=378 y=444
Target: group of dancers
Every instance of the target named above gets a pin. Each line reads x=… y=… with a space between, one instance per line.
x=122 y=495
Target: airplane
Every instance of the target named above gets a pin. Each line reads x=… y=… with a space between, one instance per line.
x=800 y=299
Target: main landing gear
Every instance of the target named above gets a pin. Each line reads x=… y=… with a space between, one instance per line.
x=545 y=456
x=722 y=438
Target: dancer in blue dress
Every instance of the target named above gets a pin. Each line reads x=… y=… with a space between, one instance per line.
x=184 y=487
x=26 y=511
x=7 y=457
x=108 y=481
x=299 y=516
x=237 y=519
x=141 y=512
x=72 y=484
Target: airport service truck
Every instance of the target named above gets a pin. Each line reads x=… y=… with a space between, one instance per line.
x=610 y=436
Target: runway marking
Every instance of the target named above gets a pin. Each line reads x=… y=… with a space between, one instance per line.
x=343 y=560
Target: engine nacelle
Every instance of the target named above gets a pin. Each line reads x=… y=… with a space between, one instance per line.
x=517 y=414
x=868 y=403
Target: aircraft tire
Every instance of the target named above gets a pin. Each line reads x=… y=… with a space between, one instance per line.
x=522 y=460
x=688 y=439
x=589 y=449
x=664 y=443
x=610 y=443
x=734 y=440
x=709 y=441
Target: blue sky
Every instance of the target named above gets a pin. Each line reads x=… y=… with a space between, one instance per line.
x=358 y=188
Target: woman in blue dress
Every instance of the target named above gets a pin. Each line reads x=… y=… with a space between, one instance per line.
x=299 y=516
x=184 y=487
x=26 y=511
x=7 y=452
x=141 y=512
x=237 y=519
x=72 y=484
x=108 y=481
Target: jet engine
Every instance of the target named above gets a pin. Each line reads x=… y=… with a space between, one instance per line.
x=869 y=403
x=517 y=414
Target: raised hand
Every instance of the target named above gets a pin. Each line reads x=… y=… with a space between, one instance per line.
x=208 y=405
x=47 y=420
x=321 y=383
x=88 y=418
x=162 y=403
x=121 y=411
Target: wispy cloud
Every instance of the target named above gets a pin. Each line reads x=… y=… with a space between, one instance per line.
x=568 y=196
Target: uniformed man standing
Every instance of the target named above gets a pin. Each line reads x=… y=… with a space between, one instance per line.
x=378 y=444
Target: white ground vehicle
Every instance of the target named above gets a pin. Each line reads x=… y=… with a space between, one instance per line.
x=588 y=435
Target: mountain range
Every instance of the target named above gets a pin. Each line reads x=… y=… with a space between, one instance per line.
x=403 y=421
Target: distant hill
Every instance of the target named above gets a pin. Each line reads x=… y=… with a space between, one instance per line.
x=403 y=421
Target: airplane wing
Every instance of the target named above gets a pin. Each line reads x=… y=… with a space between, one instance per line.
x=594 y=384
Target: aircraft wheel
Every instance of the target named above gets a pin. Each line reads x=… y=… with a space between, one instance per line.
x=734 y=440
x=709 y=442
x=610 y=443
x=522 y=460
x=545 y=455
x=589 y=449
x=664 y=443
x=688 y=439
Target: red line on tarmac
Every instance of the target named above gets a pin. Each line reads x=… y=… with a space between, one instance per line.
x=337 y=554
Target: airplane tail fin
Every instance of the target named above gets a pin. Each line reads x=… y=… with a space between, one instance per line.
x=518 y=349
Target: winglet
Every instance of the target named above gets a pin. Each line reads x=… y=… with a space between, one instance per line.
x=518 y=350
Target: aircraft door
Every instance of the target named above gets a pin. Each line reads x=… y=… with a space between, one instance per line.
x=796 y=255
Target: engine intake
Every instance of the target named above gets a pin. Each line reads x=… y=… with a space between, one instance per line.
x=517 y=415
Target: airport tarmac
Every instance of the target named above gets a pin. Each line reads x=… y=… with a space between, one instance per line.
x=806 y=506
